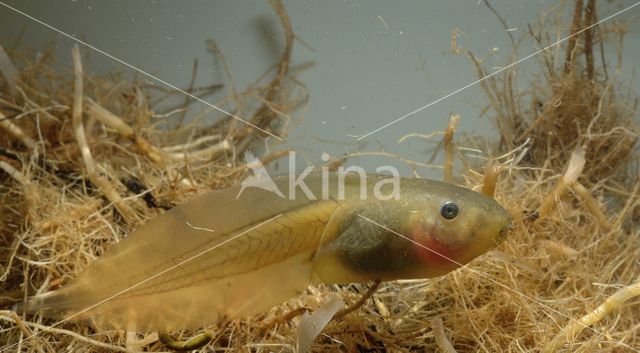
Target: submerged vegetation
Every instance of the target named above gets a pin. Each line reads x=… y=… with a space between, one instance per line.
x=84 y=160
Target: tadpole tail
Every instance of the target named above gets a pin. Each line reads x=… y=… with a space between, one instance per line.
x=55 y=304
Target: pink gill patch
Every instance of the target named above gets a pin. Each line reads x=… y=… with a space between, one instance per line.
x=431 y=251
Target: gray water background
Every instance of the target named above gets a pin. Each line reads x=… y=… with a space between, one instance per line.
x=374 y=60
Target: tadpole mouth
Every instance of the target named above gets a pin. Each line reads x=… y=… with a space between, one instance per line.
x=505 y=231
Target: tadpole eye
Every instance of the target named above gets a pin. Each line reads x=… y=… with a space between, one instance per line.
x=449 y=210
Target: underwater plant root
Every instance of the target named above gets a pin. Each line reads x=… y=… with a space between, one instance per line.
x=86 y=159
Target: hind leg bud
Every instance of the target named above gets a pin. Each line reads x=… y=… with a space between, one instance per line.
x=196 y=342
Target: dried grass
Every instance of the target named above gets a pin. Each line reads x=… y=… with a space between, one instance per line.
x=568 y=175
